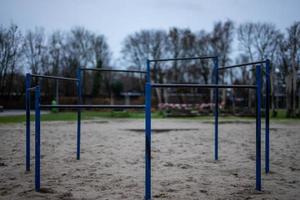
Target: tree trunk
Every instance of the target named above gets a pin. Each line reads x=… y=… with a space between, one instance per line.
x=289 y=95
x=298 y=111
x=294 y=90
x=232 y=92
x=112 y=99
x=272 y=91
x=250 y=100
x=158 y=94
x=224 y=92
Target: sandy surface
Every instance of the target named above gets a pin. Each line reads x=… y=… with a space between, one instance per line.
x=112 y=161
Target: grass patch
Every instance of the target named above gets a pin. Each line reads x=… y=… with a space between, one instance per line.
x=89 y=115
x=72 y=116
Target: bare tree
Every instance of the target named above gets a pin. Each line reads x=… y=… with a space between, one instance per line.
x=266 y=43
x=260 y=41
x=55 y=50
x=146 y=44
x=10 y=57
x=77 y=50
x=290 y=54
x=246 y=44
x=221 y=42
x=36 y=51
x=101 y=57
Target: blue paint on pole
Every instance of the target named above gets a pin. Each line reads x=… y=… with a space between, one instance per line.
x=27 y=105
x=258 y=128
x=267 y=120
x=37 y=140
x=148 y=133
x=216 y=113
x=148 y=143
x=78 y=113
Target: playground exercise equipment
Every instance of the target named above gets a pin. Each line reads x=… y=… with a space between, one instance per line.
x=216 y=69
x=148 y=88
x=28 y=90
x=78 y=107
x=266 y=63
x=257 y=87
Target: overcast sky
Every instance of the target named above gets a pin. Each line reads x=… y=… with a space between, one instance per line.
x=118 y=18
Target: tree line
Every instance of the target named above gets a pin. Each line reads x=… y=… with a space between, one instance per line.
x=62 y=52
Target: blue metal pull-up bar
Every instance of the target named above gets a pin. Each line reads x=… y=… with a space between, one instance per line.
x=37 y=140
x=171 y=85
x=180 y=59
x=243 y=65
x=216 y=110
x=148 y=98
x=148 y=125
x=267 y=117
x=94 y=106
x=113 y=70
x=79 y=96
x=53 y=77
x=28 y=89
x=267 y=103
x=148 y=116
x=147 y=106
x=258 y=128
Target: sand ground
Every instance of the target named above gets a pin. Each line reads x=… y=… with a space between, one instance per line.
x=112 y=161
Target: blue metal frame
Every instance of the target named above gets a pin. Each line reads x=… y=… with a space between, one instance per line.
x=37 y=140
x=242 y=65
x=78 y=114
x=148 y=90
x=148 y=133
x=27 y=104
x=38 y=107
x=267 y=116
x=177 y=59
x=258 y=128
x=267 y=105
x=216 y=113
x=149 y=86
x=28 y=89
x=194 y=85
x=113 y=70
x=148 y=143
x=79 y=97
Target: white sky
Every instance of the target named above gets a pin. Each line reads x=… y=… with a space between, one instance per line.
x=118 y=18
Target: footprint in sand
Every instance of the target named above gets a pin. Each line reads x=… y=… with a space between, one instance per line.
x=168 y=164
x=184 y=166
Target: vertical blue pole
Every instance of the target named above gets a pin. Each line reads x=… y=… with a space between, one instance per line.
x=148 y=75
x=267 y=120
x=37 y=140
x=27 y=105
x=216 y=113
x=148 y=135
x=258 y=128
x=78 y=113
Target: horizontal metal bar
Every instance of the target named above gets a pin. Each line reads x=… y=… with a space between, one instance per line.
x=32 y=88
x=242 y=65
x=54 y=77
x=92 y=106
x=158 y=85
x=113 y=70
x=191 y=58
